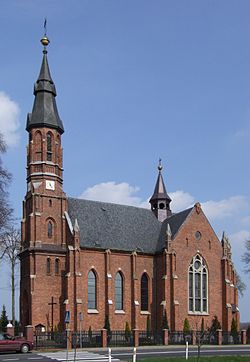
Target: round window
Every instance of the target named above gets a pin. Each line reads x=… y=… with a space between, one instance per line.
x=197 y=235
x=197 y=264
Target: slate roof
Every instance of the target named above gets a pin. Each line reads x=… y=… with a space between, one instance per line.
x=44 y=112
x=160 y=192
x=175 y=222
x=119 y=227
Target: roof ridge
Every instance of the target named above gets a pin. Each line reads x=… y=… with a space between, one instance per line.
x=110 y=203
x=178 y=213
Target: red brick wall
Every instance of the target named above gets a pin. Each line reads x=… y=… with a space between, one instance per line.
x=186 y=246
x=167 y=272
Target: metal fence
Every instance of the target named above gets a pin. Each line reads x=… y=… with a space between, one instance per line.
x=50 y=340
x=179 y=337
x=231 y=338
x=120 y=338
x=86 y=339
x=205 y=337
x=149 y=338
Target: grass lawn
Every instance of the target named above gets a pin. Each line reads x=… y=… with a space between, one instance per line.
x=202 y=359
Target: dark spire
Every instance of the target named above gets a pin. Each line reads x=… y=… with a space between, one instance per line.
x=160 y=200
x=44 y=112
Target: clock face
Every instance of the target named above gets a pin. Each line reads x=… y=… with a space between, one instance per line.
x=50 y=185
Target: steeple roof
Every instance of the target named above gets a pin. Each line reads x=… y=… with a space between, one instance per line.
x=44 y=112
x=160 y=192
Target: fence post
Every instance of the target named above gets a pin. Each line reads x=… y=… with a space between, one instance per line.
x=219 y=337
x=29 y=333
x=193 y=338
x=165 y=337
x=104 y=337
x=244 y=336
x=136 y=337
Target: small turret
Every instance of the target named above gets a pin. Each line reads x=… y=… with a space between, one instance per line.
x=160 y=200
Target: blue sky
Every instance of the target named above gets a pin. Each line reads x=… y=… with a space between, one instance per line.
x=138 y=80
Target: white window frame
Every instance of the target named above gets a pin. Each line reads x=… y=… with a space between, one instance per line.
x=197 y=266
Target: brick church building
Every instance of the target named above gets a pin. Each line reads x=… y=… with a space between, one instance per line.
x=98 y=259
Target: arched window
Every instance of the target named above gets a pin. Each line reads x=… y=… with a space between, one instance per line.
x=57 y=266
x=198 y=285
x=118 y=291
x=58 y=147
x=91 y=290
x=49 y=147
x=144 y=292
x=50 y=230
x=48 y=266
x=38 y=146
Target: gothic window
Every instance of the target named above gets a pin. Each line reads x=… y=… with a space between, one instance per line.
x=50 y=230
x=144 y=292
x=38 y=146
x=58 y=146
x=92 y=290
x=49 y=147
x=48 y=266
x=57 y=266
x=198 y=285
x=118 y=291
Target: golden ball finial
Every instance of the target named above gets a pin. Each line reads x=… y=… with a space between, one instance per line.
x=45 y=41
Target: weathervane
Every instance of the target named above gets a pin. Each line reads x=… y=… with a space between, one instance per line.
x=45 y=41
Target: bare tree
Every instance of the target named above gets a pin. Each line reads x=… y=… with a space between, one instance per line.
x=246 y=257
x=241 y=286
x=10 y=247
x=5 y=177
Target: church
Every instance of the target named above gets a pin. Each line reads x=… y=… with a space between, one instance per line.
x=99 y=260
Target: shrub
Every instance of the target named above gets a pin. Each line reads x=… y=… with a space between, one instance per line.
x=214 y=325
x=202 y=325
x=234 y=329
x=107 y=326
x=165 y=321
x=127 y=331
x=3 y=320
x=186 y=326
x=148 y=326
x=90 y=333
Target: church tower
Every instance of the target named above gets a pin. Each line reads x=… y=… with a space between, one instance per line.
x=160 y=200
x=43 y=230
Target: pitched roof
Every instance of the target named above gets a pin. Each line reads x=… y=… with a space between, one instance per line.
x=44 y=112
x=119 y=227
x=175 y=222
x=113 y=226
x=160 y=192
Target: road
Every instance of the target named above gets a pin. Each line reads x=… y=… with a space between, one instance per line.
x=120 y=354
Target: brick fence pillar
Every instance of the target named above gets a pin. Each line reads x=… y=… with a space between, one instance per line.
x=29 y=333
x=104 y=337
x=193 y=338
x=10 y=329
x=219 y=337
x=244 y=336
x=136 y=337
x=165 y=337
